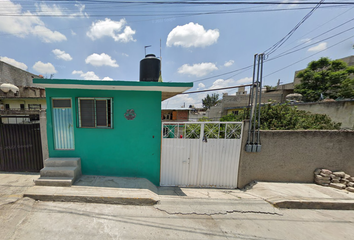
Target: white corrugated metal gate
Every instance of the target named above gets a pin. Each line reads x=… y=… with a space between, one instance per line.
x=203 y=154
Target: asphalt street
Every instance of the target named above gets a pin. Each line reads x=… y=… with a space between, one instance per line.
x=232 y=216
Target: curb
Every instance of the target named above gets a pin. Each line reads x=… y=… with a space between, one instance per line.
x=301 y=204
x=94 y=199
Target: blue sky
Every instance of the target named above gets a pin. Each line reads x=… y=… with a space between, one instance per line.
x=105 y=41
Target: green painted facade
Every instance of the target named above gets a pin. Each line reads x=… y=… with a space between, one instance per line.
x=130 y=149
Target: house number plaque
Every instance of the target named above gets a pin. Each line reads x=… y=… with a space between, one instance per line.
x=130 y=114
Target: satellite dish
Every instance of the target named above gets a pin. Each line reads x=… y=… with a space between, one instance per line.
x=6 y=87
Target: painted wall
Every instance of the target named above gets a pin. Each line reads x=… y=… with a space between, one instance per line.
x=338 y=111
x=292 y=156
x=130 y=149
x=16 y=103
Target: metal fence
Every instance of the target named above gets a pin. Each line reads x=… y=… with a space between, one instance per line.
x=206 y=130
x=20 y=147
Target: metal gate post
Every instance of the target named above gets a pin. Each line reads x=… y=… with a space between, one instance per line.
x=44 y=139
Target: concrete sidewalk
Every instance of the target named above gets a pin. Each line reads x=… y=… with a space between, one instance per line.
x=138 y=191
x=302 y=195
x=99 y=189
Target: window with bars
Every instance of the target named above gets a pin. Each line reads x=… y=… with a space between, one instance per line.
x=95 y=112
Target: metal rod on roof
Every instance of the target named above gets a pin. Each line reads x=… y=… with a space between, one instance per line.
x=145 y=48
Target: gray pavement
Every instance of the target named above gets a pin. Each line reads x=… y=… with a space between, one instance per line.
x=302 y=195
x=181 y=213
x=140 y=191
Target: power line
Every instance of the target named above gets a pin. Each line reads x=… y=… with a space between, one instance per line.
x=325 y=23
x=287 y=52
x=206 y=2
x=247 y=85
x=216 y=89
x=171 y=14
x=240 y=69
x=309 y=56
x=277 y=45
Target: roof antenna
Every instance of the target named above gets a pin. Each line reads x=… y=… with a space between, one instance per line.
x=145 y=49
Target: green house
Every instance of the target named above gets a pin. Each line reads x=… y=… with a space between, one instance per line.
x=114 y=127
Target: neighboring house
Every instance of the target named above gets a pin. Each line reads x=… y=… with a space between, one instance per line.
x=24 y=105
x=175 y=114
x=197 y=113
x=113 y=126
x=234 y=103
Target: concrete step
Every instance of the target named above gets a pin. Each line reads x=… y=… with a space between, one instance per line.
x=59 y=171
x=54 y=181
x=62 y=162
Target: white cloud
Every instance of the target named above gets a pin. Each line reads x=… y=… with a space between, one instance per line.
x=245 y=80
x=44 y=9
x=73 y=33
x=198 y=70
x=112 y=29
x=22 y=24
x=196 y=99
x=229 y=63
x=81 y=12
x=321 y=46
x=44 y=68
x=47 y=35
x=13 y=62
x=201 y=85
x=62 y=55
x=90 y=75
x=305 y=40
x=54 y=9
x=125 y=55
x=221 y=83
x=183 y=99
x=192 y=35
x=101 y=60
x=289 y=5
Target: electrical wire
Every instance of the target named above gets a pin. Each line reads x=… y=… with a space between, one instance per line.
x=217 y=89
x=308 y=56
x=246 y=85
x=201 y=2
x=287 y=52
x=277 y=45
x=164 y=13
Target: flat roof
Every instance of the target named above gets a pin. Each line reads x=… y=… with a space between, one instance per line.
x=168 y=89
x=177 y=109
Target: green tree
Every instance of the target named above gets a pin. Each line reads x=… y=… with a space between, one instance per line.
x=286 y=117
x=210 y=101
x=325 y=78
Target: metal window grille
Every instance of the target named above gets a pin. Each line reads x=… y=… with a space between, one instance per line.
x=95 y=113
x=207 y=130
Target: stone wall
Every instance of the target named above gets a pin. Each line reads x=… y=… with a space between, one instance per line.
x=292 y=156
